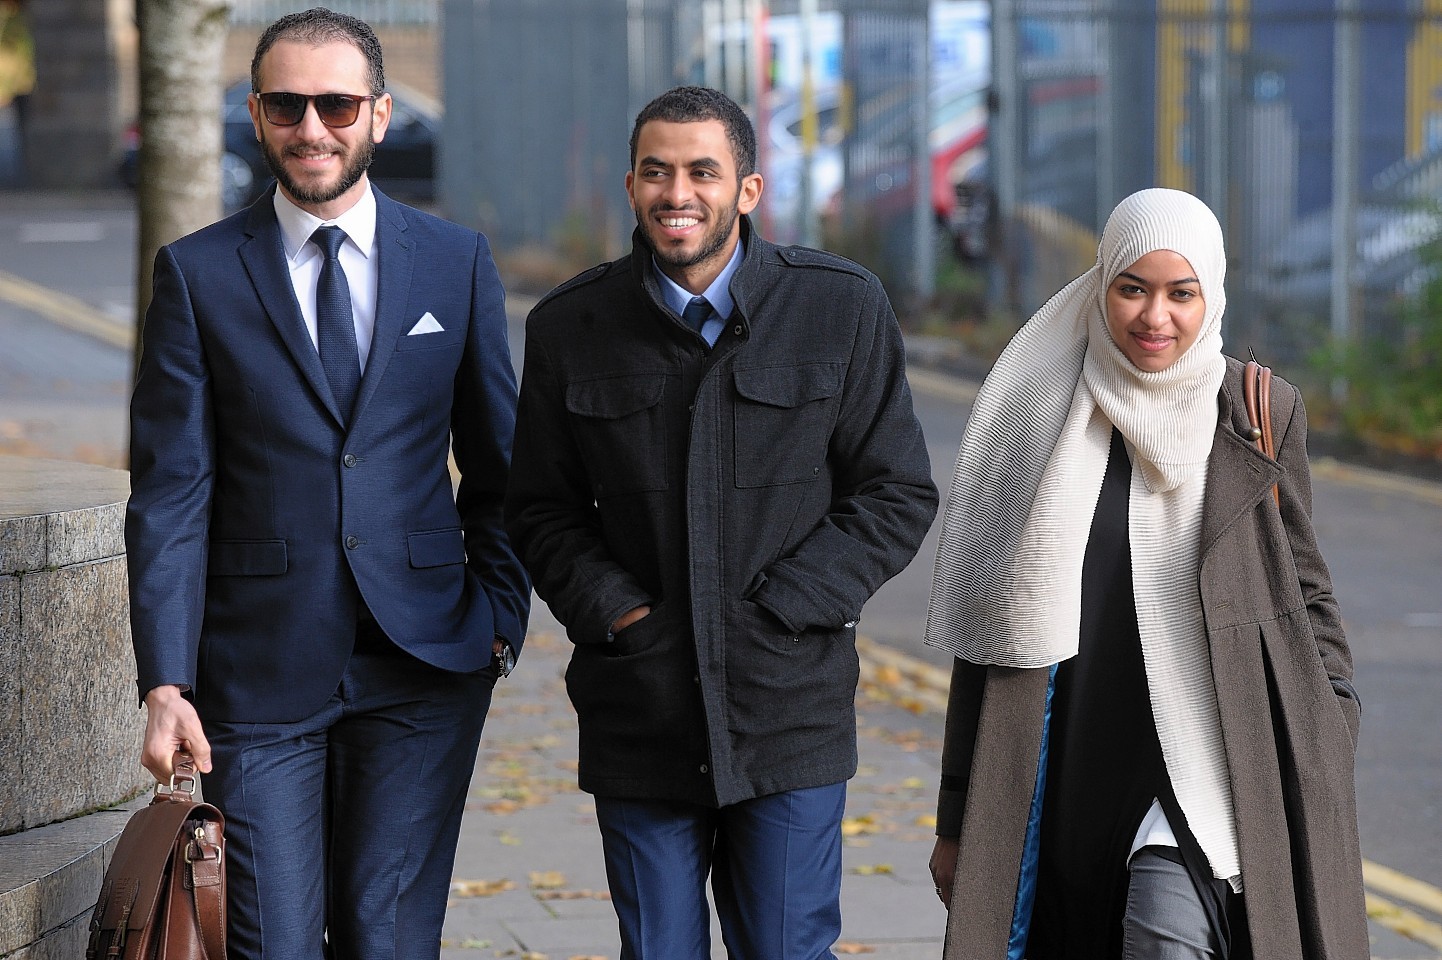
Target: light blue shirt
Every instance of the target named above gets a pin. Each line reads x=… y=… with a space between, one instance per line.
x=718 y=294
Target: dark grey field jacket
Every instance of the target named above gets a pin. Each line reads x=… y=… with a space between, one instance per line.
x=754 y=494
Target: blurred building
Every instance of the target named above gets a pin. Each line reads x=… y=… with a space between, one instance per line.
x=1312 y=127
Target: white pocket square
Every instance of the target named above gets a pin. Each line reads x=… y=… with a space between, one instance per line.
x=426 y=324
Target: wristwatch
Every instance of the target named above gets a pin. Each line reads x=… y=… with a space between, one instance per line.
x=505 y=657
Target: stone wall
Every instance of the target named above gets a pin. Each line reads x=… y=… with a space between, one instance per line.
x=70 y=726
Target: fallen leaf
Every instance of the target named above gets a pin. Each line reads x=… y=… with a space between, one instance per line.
x=480 y=888
x=502 y=807
x=848 y=948
x=573 y=895
x=854 y=826
x=547 y=879
x=926 y=820
x=868 y=870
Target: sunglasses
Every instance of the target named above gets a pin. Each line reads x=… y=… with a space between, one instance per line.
x=288 y=109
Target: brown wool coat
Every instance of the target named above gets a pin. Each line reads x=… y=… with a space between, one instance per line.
x=1288 y=711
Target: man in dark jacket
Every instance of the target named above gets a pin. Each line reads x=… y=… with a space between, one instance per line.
x=716 y=464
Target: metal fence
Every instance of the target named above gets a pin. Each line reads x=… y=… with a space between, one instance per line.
x=1312 y=127
x=378 y=13
x=541 y=95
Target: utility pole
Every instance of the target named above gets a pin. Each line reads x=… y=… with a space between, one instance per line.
x=1346 y=133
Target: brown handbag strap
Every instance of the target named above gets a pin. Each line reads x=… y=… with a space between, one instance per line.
x=1257 y=395
x=204 y=855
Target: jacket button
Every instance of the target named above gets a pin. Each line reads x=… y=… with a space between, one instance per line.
x=703 y=768
x=352 y=542
x=696 y=680
x=348 y=460
x=736 y=329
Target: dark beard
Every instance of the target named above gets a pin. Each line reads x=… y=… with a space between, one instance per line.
x=356 y=164
x=714 y=243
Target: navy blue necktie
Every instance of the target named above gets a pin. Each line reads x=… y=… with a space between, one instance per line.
x=696 y=313
x=335 y=323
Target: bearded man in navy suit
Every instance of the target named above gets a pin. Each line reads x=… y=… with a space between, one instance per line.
x=318 y=619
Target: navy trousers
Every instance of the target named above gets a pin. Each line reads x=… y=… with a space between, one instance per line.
x=775 y=867
x=341 y=829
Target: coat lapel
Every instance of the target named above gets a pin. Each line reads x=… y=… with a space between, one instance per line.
x=1238 y=477
x=263 y=254
x=396 y=251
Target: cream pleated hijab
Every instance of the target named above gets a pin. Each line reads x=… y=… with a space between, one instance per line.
x=1007 y=584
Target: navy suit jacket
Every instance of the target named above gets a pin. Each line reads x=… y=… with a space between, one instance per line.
x=255 y=513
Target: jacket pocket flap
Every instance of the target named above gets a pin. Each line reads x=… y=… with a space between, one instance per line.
x=436 y=548
x=248 y=558
x=789 y=386
x=614 y=397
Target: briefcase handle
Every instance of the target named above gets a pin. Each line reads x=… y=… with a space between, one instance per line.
x=182 y=777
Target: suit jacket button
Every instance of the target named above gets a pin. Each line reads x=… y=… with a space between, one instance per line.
x=348 y=459
x=352 y=542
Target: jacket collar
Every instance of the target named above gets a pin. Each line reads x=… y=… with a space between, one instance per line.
x=744 y=282
x=263 y=254
x=397 y=253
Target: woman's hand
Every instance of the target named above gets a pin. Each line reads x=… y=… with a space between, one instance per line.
x=943 y=866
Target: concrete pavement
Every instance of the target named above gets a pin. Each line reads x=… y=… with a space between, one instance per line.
x=529 y=878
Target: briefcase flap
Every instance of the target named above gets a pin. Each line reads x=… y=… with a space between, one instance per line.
x=139 y=867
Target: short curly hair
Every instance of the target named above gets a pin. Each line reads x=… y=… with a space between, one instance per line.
x=695 y=104
x=318 y=26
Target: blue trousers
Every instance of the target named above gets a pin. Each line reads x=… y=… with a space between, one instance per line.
x=341 y=829
x=775 y=867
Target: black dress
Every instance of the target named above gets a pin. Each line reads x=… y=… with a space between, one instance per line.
x=1104 y=761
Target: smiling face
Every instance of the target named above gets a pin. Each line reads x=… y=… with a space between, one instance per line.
x=1155 y=310
x=321 y=169
x=688 y=199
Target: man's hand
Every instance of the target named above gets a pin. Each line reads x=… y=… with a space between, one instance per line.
x=171 y=724
x=628 y=618
x=943 y=866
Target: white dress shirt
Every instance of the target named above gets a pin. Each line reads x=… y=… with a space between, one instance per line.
x=357 y=258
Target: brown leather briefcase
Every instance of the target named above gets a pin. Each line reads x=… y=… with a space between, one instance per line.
x=163 y=897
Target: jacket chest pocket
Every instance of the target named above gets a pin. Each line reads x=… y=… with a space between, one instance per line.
x=784 y=416
x=619 y=423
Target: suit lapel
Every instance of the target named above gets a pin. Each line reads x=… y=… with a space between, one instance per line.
x=263 y=254
x=396 y=251
x=1238 y=477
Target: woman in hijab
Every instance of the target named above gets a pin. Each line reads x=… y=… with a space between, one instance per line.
x=1150 y=738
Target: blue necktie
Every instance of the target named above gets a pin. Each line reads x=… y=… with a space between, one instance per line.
x=335 y=323
x=697 y=312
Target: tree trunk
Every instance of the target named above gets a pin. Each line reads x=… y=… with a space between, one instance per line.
x=181 y=44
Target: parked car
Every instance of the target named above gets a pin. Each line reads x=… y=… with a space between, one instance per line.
x=404 y=164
